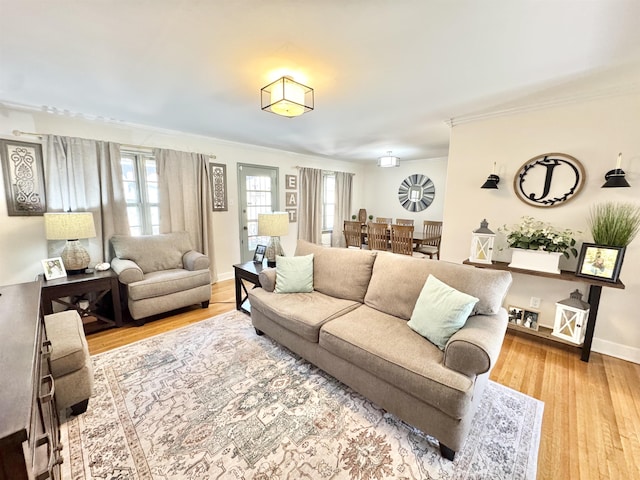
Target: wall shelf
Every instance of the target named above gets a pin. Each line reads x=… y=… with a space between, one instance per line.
x=595 y=290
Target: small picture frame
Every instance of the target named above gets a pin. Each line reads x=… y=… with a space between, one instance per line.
x=258 y=256
x=53 y=268
x=515 y=314
x=530 y=319
x=600 y=262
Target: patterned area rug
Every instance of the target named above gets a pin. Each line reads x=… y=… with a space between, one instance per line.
x=215 y=401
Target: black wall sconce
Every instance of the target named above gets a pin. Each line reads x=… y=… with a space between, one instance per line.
x=493 y=180
x=615 y=178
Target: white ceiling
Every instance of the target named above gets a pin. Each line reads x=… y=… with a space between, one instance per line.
x=387 y=74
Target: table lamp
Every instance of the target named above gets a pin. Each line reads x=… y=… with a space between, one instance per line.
x=71 y=226
x=273 y=225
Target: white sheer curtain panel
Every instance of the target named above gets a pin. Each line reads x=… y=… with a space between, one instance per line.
x=310 y=213
x=85 y=175
x=185 y=198
x=342 y=211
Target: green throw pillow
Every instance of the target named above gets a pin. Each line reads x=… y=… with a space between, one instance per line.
x=440 y=311
x=294 y=274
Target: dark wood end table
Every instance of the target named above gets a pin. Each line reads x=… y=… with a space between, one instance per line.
x=250 y=272
x=85 y=294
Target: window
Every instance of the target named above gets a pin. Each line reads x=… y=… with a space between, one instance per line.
x=328 y=200
x=140 y=180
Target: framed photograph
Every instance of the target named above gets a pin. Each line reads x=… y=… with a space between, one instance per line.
x=530 y=319
x=515 y=314
x=53 y=268
x=291 y=182
x=258 y=256
x=23 y=178
x=600 y=262
x=218 y=176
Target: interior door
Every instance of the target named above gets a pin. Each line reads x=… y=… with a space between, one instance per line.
x=258 y=191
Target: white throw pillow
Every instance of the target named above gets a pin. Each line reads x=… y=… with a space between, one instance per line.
x=440 y=311
x=294 y=274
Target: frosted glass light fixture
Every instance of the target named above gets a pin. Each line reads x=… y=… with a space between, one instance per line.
x=388 y=160
x=287 y=97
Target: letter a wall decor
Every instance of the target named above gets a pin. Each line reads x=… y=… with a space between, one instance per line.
x=549 y=180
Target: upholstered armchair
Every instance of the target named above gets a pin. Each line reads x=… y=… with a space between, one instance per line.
x=160 y=273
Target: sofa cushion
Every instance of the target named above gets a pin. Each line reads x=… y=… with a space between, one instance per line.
x=440 y=311
x=294 y=274
x=339 y=272
x=157 y=284
x=397 y=280
x=301 y=313
x=153 y=252
x=386 y=347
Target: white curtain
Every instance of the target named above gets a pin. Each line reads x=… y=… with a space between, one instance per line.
x=310 y=214
x=342 y=211
x=84 y=175
x=185 y=198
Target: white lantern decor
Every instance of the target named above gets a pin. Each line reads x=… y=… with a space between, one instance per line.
x=571 y=318
x=482 y=244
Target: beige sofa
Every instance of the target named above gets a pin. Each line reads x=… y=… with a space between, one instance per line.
x=354 y=326
x=161 y=273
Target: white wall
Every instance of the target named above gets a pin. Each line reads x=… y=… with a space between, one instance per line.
x=22 y=242
x=380 y=196
x=593 y=132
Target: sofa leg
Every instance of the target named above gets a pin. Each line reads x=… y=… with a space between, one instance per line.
x=446 y=452
x=205 y=304
x=80 y=407
x=259 y=332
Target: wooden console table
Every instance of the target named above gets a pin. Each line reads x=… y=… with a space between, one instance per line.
x=595 y=290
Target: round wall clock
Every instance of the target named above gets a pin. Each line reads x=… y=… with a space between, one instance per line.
x=416 y=192
x=549 y=180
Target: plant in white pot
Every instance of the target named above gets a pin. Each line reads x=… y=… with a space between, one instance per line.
x=538 y=246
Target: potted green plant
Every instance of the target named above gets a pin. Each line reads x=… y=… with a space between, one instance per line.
x=538 y=246
x=613 y=226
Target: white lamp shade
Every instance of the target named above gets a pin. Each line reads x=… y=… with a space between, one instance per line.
x=287 y=97
x=273 y=224
x=69 y=226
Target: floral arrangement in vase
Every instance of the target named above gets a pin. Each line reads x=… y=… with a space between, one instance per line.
x=532 y=234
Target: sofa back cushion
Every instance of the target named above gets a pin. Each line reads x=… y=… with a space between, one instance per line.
x=153 y=253
x=339 y=272
x=397 y=280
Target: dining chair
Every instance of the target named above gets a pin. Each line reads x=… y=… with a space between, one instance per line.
x=386 y=220
x=377 y=236
x=402 y=239
x=433 y=234
x=404 y=221
x=353 y=234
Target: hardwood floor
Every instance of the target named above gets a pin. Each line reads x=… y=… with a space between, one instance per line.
x=591 y=422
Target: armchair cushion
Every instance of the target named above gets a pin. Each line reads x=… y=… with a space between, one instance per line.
x=193 y=260
x=128 y=271
x=153 y=252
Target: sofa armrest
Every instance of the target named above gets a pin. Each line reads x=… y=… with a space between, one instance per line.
x=128 y=271
x=267 y=279
x=474 y=349
x=193 y=260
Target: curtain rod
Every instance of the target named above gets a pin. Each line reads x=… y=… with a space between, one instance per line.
x=328 y=171
x=19 y=133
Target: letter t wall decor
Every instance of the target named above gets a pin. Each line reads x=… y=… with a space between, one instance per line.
x=23 y=178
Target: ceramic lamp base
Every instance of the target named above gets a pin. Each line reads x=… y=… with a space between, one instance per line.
x=75 y=257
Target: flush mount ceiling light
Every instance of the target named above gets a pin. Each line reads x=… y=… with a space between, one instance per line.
x=286 y=97
x=388 y=160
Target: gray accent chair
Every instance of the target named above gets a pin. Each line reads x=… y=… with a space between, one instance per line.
x=160 y=273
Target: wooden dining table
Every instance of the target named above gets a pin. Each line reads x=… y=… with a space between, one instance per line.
x=419 y=236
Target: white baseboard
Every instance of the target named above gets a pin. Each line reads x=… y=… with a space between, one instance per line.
x=623 y=352
x=225 y=276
